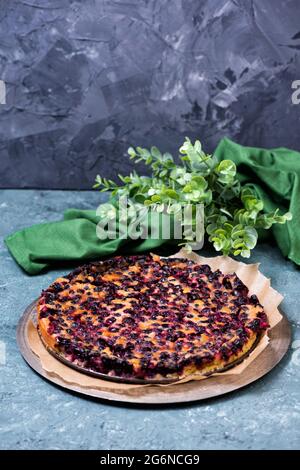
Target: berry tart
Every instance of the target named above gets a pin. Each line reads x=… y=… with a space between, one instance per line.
x=149 y=319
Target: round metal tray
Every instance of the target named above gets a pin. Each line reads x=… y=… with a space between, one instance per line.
x=280 y=337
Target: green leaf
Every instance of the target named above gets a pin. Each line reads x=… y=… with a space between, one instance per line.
x=245 y=253
x=171 y=193
x=198 y=146
x=155 y=198
x=250 y=237
x=167 y=157
x=288 y=216
x=225 y=211
x=155 y=152
x=187 y=188
x=140 y=198
x=200 y=182
x=131 y=152
x=151 y=191
x=226 y=171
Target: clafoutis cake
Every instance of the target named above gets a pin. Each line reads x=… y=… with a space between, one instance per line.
x=149 y=318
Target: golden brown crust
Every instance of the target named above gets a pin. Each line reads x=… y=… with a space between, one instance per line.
x=150 y=318
x=43 y=325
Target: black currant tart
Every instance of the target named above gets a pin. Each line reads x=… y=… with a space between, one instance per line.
x=150 y=318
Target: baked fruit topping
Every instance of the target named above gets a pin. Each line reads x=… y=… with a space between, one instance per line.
x=150 y=318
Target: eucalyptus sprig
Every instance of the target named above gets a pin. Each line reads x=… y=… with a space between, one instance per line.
x=232 y=213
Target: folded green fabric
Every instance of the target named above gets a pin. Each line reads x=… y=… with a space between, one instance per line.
x=273 y=174
x=47 y=245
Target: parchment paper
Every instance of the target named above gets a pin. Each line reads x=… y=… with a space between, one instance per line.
x=257 y=284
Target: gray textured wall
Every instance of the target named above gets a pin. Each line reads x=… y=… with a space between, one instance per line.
x=87 y=78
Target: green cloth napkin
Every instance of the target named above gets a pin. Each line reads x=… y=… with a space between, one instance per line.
x=73 y=239
x=274 y=175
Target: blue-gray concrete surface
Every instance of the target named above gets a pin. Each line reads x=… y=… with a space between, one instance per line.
x=34 y=414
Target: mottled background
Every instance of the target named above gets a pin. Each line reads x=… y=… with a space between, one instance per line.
x=87 y=78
